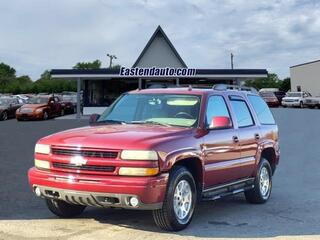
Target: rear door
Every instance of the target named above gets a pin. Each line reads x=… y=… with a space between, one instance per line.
x=249 y=135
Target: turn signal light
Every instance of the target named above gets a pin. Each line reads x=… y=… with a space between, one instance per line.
x=130 y=171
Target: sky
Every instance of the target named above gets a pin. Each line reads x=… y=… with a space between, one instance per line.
x=36 y=35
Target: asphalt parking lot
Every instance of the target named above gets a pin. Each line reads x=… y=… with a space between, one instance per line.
x=293 y=211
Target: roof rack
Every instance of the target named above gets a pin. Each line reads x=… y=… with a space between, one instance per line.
x=226 y=87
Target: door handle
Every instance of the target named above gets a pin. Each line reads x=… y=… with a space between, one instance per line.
x=257 y=136
x=235 y=139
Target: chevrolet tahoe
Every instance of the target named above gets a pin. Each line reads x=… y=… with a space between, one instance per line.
x=162 y=150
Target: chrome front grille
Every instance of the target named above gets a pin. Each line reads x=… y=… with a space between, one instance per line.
x=85 y=153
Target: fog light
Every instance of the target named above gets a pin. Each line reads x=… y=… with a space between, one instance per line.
x=134 y=202
x=37 y=191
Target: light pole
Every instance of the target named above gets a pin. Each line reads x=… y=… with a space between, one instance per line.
x=111 y=58
x=231 y=56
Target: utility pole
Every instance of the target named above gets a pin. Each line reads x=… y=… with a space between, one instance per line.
x=111 y=58
x=231 y=56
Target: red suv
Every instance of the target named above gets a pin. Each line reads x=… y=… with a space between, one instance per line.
x=162 y=150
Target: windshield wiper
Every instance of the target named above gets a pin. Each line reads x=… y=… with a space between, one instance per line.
x=150 y=122
x=110 y=121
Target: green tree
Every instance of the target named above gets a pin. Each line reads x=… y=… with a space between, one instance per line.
x=271 y=81
x=285 y=85
x=7 y=71
x=7 y=74
x=88 y=65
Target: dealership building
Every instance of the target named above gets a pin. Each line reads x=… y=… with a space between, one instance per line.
x=306 y=77
x=158 y=65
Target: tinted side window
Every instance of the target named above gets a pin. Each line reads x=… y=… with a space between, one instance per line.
x=242 y=112
x=216 y=107
x=262 y=110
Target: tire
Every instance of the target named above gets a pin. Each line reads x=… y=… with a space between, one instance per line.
x=301 y=105
x=167 y=217
x=260 y=194
x=63 y=209
x=45 y=115
x=4 y=116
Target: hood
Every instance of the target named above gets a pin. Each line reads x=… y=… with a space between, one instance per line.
x=34 y=106
x=130 y=136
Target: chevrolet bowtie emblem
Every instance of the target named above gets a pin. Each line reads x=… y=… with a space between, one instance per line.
x=78 y=161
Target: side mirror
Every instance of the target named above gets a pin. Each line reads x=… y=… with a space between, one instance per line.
x=94 y=118
x=220 y=122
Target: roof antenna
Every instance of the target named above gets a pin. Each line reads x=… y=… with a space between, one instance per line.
x=189 y=88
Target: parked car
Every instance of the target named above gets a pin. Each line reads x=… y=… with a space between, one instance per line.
x=161 y=150
x=8 y=107
x=69 y=103
x=270 y=98
x=280 y=95
x=40 y=107
x=295 y=99
x=21 y=98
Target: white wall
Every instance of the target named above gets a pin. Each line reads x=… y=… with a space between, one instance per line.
x=159 y=54
x=307 y=76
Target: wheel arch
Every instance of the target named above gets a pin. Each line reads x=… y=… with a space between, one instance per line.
x=195 y=166
x=269 y=154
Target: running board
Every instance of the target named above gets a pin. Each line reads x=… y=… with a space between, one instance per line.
x=227 y=189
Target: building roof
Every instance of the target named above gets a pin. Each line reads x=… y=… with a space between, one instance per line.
x=298 y=65
x=157 y=32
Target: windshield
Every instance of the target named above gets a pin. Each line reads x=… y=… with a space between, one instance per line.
x=294 y=94
x=267 y=94
x=4 y=101
x=164 y=109
x=69 y=98
x=38 y=100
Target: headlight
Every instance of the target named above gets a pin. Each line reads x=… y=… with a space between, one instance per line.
x=42 y=148
x=130 y=171
x=139 y=155
x=39 y=110
x=41 y=164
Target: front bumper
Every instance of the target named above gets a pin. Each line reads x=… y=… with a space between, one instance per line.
x=29 y=116
x=290 y=104
x=102 y=191
x=273 y=104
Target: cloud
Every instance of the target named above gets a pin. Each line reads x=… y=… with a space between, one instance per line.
x=42 y=34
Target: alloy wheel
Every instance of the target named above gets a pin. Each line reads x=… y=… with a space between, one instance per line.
x=264 y=182
x=182 y=201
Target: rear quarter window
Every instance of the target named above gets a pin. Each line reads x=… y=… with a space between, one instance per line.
x=262 y=110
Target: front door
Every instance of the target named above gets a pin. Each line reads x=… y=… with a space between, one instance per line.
x=221 y=148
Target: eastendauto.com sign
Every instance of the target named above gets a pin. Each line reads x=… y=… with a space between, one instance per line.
x=154 y=71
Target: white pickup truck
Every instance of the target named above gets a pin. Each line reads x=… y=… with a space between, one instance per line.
x=295 y=99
